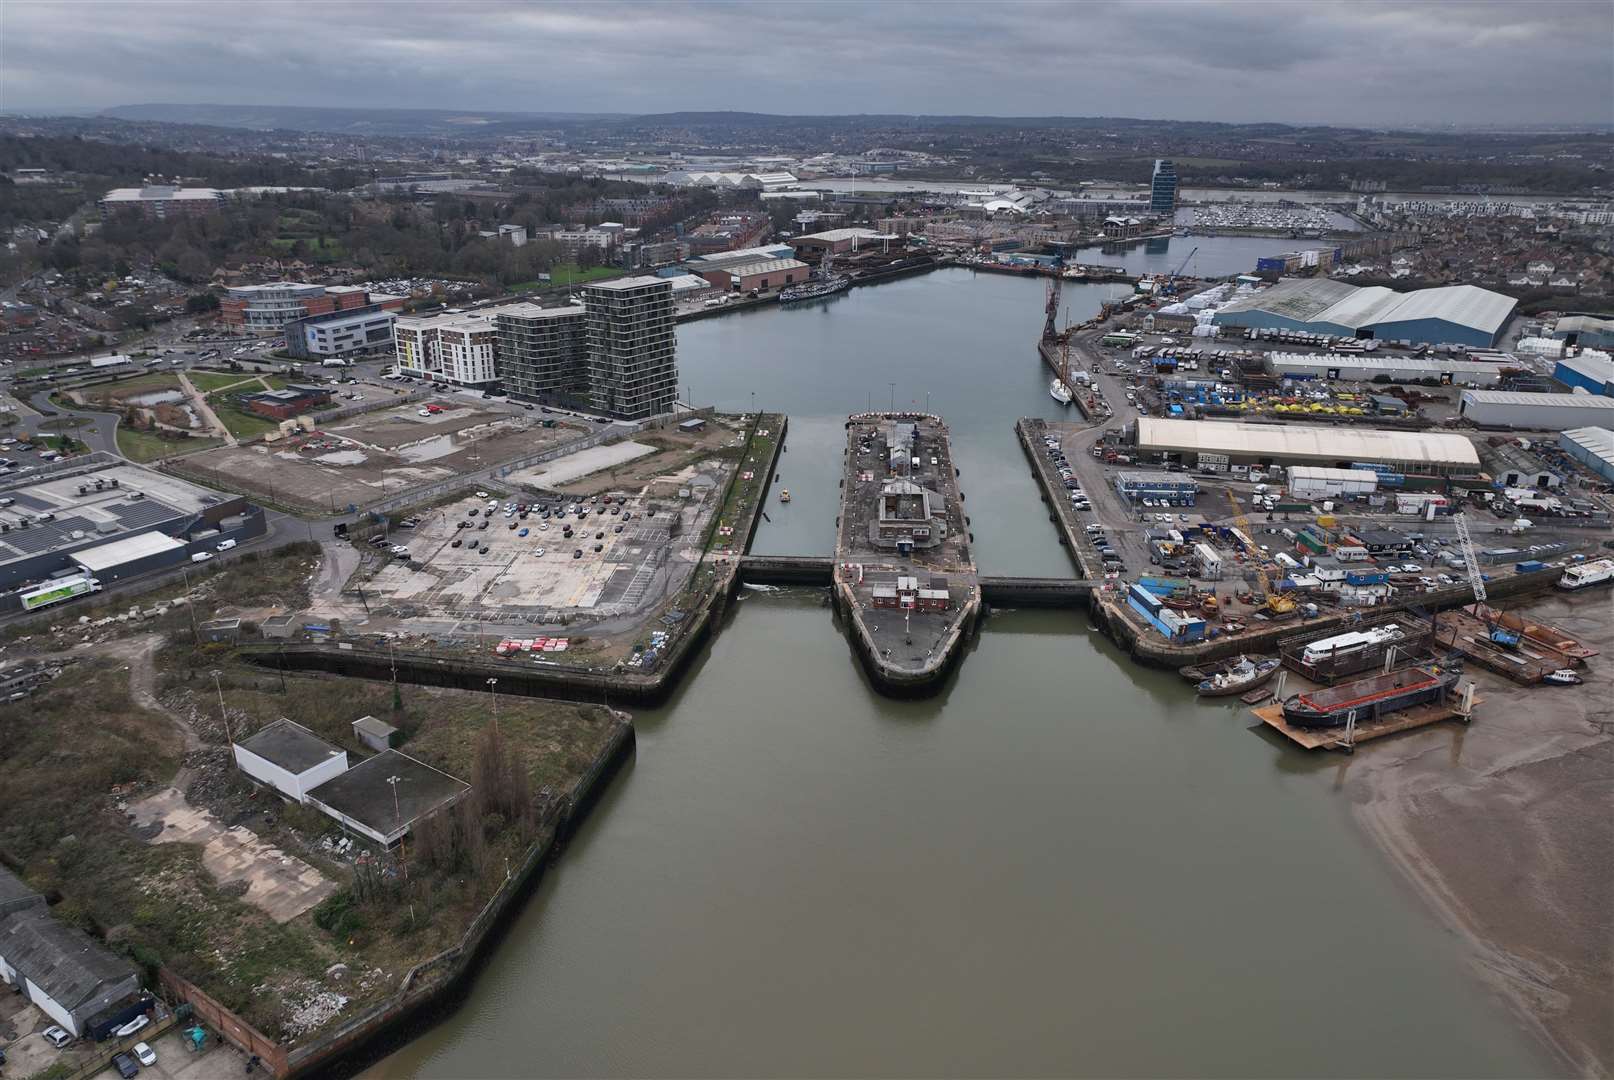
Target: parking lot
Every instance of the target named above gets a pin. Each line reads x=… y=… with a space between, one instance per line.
x=383 y=453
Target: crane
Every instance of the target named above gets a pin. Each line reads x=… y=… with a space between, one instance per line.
x=1171 y=282
x=1499 y=635
x=1276 y=605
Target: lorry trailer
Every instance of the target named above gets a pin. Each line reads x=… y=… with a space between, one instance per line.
x=54 y=592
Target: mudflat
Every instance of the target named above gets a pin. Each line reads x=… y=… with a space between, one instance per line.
x=1507 y=828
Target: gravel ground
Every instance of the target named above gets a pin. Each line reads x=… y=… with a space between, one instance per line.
x=1506 y=829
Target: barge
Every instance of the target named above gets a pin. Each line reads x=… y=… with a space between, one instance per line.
x=905 y=578
x=1370 y=698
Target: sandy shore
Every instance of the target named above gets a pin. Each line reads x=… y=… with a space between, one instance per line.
x=1507 y=828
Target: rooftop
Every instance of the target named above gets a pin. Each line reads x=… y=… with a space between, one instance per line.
x=129 y=548
x=15 y=893
x=67 y=964
x=366 y=795
x=763 y=266
x=1307 y=441
x=1324 y=300
x=624 y=284
x=290 y=746
x=1551 y=401
x=1597 y=441
x=833 y=236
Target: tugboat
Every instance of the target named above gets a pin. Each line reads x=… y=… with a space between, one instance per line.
x=1562 y=677
x=1238 y=679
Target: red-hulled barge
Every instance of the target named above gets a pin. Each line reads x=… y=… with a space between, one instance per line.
x=1371 y=697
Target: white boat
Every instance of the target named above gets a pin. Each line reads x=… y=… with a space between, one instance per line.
x=1562 y=677
x=1060 y=392
x=1584 y=576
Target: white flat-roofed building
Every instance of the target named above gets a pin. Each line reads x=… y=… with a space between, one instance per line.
x=129 y=552
x=289 y=758
x=456 y=349
x=1536 y=412
x=1302 y=444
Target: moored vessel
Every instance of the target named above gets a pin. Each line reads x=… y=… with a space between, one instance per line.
x=1371 y=697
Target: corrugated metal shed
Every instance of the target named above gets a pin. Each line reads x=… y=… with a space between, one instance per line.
x=1463 y=313
x=1300 y=442
x=1546 y=412
x=1592 y=447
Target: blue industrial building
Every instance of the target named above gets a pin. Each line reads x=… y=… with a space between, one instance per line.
x=1592 y=374
x=1452 y=314
x=1593 y=447
x=1587 y=331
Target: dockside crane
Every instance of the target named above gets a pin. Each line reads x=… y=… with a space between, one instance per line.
x=1171 y=281
x=1499 y=635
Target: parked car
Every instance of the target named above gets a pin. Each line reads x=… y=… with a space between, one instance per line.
x=126 y=1066
x=57 y=1037
x=144 y=1054
x=523 y=532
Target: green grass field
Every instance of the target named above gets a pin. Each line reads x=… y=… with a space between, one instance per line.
x=568 y=274
x=243 y=425
x=143 y=446
x=209 y=381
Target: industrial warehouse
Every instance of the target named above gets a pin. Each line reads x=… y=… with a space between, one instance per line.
x=1593 y=447
x=1218 y=445
x=1536 y=412
x=1452 y=314
x=1397 y=369
x=103 y=518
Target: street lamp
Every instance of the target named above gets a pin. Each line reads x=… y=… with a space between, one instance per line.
x=223 y=715
x=493 y=688
x=397 y=818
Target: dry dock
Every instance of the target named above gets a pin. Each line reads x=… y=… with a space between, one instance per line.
x=905 y=580
x=1339 y=739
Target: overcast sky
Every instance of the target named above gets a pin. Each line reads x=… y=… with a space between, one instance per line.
x=1411 y=62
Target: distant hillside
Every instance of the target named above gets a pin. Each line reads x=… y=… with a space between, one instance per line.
x=340 y=121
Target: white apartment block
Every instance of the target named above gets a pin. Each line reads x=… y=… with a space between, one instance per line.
x=457 y=348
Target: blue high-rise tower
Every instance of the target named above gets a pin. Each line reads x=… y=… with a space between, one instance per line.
x=1163 y=189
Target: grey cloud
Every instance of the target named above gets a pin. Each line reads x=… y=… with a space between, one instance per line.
x=1367 y=63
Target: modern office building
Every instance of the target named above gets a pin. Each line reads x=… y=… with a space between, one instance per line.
x=267 y=309
x=455 y=348
x=1163 y=188
x=541 y=350
x=341 y=333
x=631 y=369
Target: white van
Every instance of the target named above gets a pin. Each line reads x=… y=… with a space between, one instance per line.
x=226 y=545
x=201 y=556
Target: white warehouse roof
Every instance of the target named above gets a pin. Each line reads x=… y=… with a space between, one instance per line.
x=1323 y=300
x=1300 y=441
x=106 y=556
x=1549 y=401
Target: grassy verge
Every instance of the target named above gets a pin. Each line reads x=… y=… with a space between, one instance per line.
x=568 y=274
x=146 y=446
x=209 y=381
x=743 y=495
x=242 y=424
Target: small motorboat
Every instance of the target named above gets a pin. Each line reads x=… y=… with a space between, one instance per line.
x=1240 y=679
x=1562 y=677
x=784 y=494
x=1060 y=392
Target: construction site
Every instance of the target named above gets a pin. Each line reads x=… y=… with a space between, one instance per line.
x=354 y=462
x=585 y=554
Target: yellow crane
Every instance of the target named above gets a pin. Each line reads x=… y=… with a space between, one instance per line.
x=1276 y=604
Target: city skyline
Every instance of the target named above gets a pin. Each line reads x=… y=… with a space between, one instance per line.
x=1365 y=65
